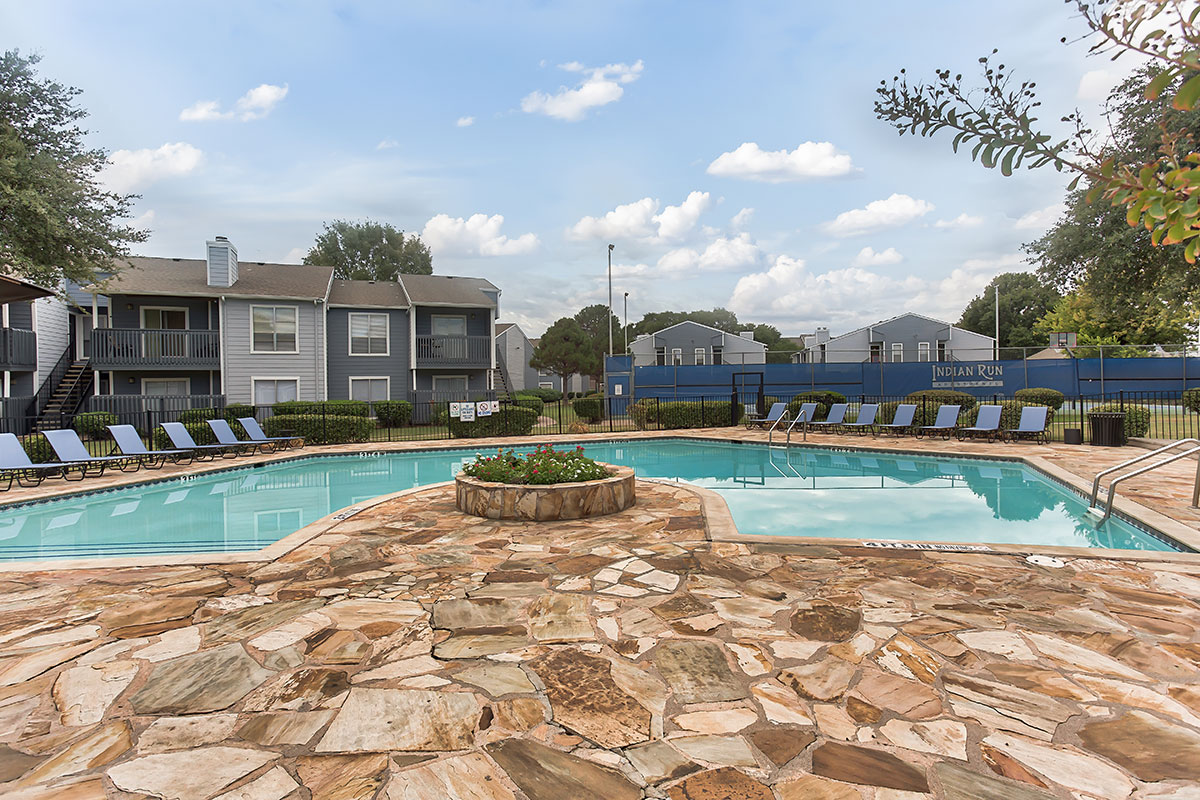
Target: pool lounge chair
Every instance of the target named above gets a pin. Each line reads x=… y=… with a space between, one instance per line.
x=15 y=465
x=807 y=411
x=70 y=449
x=865 y=422
x=256 y=434
x=1032 y=425
x=227 y=437
x=902 y=420
x=834 y=419
x=987 y=425
x=182 y=440
x=944 y=425
x=778 y=411
x=129 y=443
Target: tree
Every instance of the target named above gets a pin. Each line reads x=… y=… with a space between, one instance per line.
x=565 y=349
x=779 y=350
x=1024 y=300
x=369 y=251
x=1160 y=194
x=56 y=222
x=594 y=321
x=718 y=318
x=1098 y=322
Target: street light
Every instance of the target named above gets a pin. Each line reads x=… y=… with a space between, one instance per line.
x=996 y=290
x=625 y=327
x=610 y=308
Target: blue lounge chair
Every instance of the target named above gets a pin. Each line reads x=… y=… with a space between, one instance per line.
x=778 y=411
x=182 y=440
x=833 y=420
x=71 y=450
x=806 y=412
x=944 y=425
x=1032 y=425
x=987 y=425
x=130 y=443
x=15 y=465
x=865 y=422
x=227 y=437
x=256 y=434
x=902 y=420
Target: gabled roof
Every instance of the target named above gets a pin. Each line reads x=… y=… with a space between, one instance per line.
x=448 y=290
x=14 y=289
x=188 y=277
x=948 y=325
x=368 y=294
x=504 y=327
x=708 y=327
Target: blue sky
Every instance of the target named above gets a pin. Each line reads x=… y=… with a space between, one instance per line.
x=728 y=150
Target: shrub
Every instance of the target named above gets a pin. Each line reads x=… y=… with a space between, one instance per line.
x=328 y=429
x=694 y=414
x=578 y=427
x=199 y=431
x=644 y=413
x=937 y=397
x=39 y=450
x=545 y=395
x=887 y=412
x=92 y=423
x=529 y=401
x=1044 y=397
x=232 y=412
x=508 y=421
x=393 y=413
x=342 y=408
x=1010 y=413
x=823 y=399
x=1191 y=400
x=543 y=466
x=589 y=409
x=229 y=413
x=1137 y=418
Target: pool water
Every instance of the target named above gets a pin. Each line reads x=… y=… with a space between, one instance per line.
x=770 y=491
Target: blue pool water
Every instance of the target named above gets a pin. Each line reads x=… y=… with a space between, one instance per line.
x=797 y=492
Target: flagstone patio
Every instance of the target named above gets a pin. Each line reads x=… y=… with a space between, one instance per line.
x=413 y=652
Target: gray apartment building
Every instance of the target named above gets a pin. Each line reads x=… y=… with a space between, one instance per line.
x=690 y=343
x=904 y=338
x=513 y=351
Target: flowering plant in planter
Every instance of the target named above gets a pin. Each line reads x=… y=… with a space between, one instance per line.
x=543 y=465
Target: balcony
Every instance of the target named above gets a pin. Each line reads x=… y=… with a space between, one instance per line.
x=143 y=348
x=18 y=350
x=473 y=352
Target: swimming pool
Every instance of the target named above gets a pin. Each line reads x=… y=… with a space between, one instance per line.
x=770 y=491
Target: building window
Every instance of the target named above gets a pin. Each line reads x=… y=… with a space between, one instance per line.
x=699 y=356
x=922 y=351
x=543 y=373
x=660 y=356
x=545 y=385
x=269 y=391
x=441 y=325
x=273 y=329
x=897 y=352
x=717 y=351
x=677 y=356
x=941 y=351
x=450 y=383
x=876 y=352
x=370 y=390
x=368 y=334
x=166 y=387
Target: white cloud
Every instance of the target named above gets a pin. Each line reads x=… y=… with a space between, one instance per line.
x=946 y=298
x=295 y=255
x=808 y=160
x=478 y=235
x=129 y=170
x=721 y=255
x=1095 y=85
x=676 y=222
x=867 y=257
x=961 y=221
x=1040 y=219
x=387 y=144
x=742 y=218
x=254 y=104
x=599 y=87
x=465 y=122
x=897 y=210
x=641 y=220
x=144 y=221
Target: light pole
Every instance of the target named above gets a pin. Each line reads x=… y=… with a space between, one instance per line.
x=625 y=327
x=996 y=291
x=610 y=308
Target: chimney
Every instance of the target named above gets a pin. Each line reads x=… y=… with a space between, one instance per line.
x=747 y=335
x=222 y=262
x=822 y=335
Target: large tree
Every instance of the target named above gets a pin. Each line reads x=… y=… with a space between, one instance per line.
x=718 y=318
x=56 y=222
x=369 y=251
x=595 y=320
x=779 y=350
x=565 y=349
x=1024 y=300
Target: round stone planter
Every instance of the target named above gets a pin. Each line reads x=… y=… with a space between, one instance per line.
x=547 y=501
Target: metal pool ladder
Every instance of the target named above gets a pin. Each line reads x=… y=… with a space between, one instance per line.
x=800 y=417
x=1095 y=511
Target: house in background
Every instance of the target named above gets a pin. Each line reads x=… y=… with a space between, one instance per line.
x=691 y=343
x=905 y=338
x=513 y=351
x=33 y=343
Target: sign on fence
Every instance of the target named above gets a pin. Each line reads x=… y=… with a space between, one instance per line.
x=484 y=408
x=455 y=410
x=972 y=376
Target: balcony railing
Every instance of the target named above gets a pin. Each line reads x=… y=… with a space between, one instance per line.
x=18 y=350
x=124 y=348
x=454 y=351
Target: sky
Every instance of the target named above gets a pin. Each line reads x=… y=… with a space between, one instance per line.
x=729 y=150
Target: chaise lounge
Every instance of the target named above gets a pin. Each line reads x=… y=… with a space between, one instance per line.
x=257 y=434
x=902 y=420
x=834 y=419
x=70 y=449
x=865 y=421
x=129 y=443
x=987 y=425
x=182 y=440
x=945 y=423
x=15 y=465
x=778 y=411
x=1032 y=425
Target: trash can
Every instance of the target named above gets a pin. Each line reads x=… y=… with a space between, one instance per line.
x=1072 y=436
x=1108 y=428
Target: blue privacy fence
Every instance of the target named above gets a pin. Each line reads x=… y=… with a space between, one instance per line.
x=1072 y=376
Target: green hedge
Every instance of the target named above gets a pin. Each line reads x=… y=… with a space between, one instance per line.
x=529 y=401
x=1010 y=413
x=38 y=448
x=823 y=399
x=1191 y=400
x=200 y=432
x=590 y=409
x=643 y=413
x=508 y=421
x=343 y=408
x=1137 y=418
x=93 y=423
x=229 y=413
x=393 y=413
x=694 y=414
x=1038 y=396
x=329 y=429
x=545 y=395
x=936 y=397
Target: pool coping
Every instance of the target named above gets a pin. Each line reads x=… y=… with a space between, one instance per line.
x=718 y=518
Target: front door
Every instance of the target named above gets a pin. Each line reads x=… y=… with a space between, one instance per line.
x=164 y=345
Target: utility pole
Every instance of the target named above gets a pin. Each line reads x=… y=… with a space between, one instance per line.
x=625 y=326
x=996 y=290
x=610 y=308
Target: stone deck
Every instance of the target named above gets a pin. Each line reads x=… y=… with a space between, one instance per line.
x=414 y=653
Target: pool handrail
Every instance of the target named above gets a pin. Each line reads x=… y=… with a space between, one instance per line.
x=1137 y=460
x=805 y=412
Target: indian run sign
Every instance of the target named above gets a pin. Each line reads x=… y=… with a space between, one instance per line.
x=966 y=376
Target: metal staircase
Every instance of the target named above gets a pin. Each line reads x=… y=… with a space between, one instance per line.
x=1102 y=515
x=66 y=397
x=500 y=376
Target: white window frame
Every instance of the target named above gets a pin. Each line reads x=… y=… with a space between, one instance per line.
x=187 y=316
x=350 y=385
x=718 y=351
x=187 y=380
x=898 y=348
x=922 y=351
x=676 y=357
x=387 y=333
x=463 y=317
x=701 y=357
x=545 y=385
x=250 y=323
x=544 y=373
x=257 y=378
x=433 y=379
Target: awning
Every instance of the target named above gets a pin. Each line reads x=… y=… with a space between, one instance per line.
x=14 y=290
